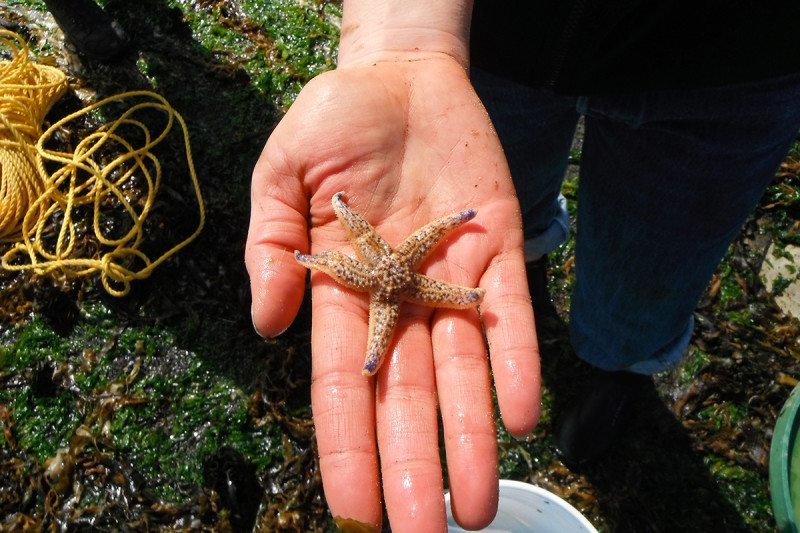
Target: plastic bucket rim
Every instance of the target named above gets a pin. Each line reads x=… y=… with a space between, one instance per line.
x=780 y=461
x=539 y=491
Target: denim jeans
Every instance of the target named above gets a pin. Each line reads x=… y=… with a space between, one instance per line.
x=667 y=178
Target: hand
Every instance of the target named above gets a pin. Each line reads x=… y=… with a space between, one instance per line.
x=408 y=141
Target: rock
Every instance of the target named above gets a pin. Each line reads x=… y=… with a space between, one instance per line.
x=780 y=272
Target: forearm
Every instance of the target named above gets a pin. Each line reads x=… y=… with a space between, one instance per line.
x=380 y=30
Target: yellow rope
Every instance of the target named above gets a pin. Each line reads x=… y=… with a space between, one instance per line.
x=33 y=201
x=26 y=94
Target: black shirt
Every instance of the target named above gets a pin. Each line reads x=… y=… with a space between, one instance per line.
x=601 y=47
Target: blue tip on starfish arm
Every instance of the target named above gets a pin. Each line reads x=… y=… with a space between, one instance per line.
x=468 y=214
x=370 y=367
x=301 y=257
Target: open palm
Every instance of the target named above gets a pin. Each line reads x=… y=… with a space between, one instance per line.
x=408 y=142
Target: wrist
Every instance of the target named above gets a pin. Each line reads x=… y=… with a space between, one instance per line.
x=386 y=30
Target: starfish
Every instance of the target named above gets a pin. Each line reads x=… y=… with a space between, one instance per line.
x=389 y=275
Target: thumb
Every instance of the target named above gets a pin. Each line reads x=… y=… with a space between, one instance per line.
x=278 y=227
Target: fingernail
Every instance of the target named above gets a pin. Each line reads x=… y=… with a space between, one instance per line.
x=349 y=525
x=253 y=320
x=522 y=438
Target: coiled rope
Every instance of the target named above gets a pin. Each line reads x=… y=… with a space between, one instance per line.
x=40 y=210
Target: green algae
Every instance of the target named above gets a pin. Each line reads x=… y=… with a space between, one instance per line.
x=780 y=284
x=781 y=203
x=296 y=41
x=43 y=424
x=35 y=4
x=173 y=413
x=187 y=417
x=522 y=459
x=36 y=342
x=746 y=490
x=692 y=365
x=723 y=415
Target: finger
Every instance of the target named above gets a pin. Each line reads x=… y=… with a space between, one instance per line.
x=507 y=315
x=343 y=403
x=407 y=430
x=277 y=228
x=462 y=378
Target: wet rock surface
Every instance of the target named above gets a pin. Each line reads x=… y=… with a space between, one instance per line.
x=780 y=274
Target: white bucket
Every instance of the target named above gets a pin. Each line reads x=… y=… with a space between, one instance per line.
x=523 y=507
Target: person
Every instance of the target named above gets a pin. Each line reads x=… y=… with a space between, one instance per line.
x=687 y=117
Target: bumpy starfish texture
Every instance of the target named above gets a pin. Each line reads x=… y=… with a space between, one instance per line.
x=389 y=275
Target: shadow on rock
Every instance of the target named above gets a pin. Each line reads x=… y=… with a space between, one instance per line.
x=201 y=294
x=653 y=479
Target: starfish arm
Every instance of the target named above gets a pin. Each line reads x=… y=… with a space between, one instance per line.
x=424 y=290
x=341 y=267
x=416 y=247
x=368 y=245
x=382 y=321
